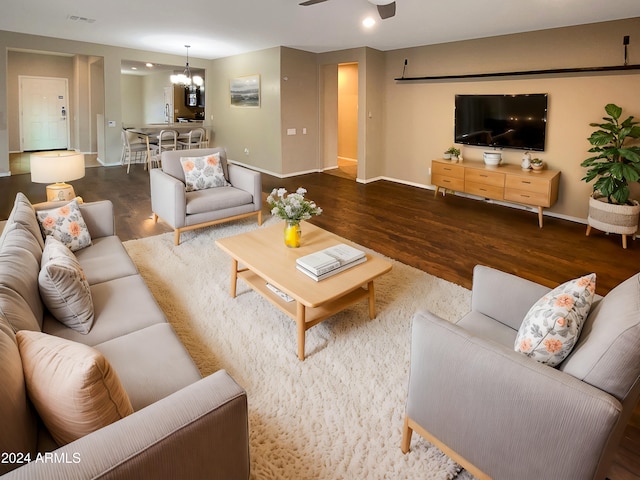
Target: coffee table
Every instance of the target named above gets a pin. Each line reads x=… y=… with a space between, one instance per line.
x=260 y=257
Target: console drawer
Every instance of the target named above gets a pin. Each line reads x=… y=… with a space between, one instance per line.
x=484 y=190
x=538 y=199
x=444 y=181
x=528 y=184
x=443 y=169
x=485 y=177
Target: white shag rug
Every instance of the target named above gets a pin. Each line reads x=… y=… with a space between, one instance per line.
x=338 y=414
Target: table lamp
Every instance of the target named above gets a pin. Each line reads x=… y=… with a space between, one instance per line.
x=56 y=168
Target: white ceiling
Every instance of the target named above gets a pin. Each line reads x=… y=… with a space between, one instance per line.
x=220 y=28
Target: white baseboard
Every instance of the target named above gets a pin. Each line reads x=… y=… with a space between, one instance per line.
x=425 y=187
x=473 y=197
x=273 y=174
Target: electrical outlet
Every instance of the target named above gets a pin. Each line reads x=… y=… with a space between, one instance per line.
x=246 y=151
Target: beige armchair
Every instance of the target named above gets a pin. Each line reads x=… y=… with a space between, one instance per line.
x=502 y=415
x=197 y=209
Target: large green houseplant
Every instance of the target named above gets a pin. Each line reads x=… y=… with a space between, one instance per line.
x=615 y=164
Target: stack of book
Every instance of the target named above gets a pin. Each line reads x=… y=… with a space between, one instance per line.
x=328 y=262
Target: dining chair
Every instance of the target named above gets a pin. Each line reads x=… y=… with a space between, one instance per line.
x=153 y=155
x=132 y=145
x=167 y=140
x=193 y=139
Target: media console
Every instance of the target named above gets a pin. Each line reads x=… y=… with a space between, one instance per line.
x=508 y=183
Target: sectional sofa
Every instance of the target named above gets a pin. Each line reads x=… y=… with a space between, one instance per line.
x=180 y=424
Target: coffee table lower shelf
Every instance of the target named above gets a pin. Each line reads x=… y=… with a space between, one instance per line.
x=306 y=316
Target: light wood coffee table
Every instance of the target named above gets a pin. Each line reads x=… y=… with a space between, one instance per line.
x=260 y=257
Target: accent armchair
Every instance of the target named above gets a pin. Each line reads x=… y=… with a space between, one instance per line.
x=196 y=209
x=503 y=415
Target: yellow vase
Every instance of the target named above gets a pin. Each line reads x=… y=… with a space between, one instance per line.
x=292 y=234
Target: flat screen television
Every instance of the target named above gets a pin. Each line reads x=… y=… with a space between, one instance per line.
x=502 y=121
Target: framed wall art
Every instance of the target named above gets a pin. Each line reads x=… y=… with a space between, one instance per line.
x=245 y=91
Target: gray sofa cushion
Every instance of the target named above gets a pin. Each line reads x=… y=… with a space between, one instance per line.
x=486 y=327
x=202 y=201
x=120 y=306
x=20 y=256
x=24 y=214
x=105 y=260
x=19 y=430
x=607 y=355
x=151 y=364
x=64 y=288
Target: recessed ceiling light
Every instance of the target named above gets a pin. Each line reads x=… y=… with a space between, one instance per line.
x=134 y=68
x=369 y=22
x=149 y=65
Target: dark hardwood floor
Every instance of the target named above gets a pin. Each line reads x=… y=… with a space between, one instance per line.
x=444 y=236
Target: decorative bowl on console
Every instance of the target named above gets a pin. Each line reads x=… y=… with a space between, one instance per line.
x=493 y=159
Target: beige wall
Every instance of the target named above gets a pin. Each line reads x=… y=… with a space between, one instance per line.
x=299 y=110
x=419 y=116
x=132 y=90
x=401 y=126
x=256 y=129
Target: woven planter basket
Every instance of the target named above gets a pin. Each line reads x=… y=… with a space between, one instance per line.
x=613 y=218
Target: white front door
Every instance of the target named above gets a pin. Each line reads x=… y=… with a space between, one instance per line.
x=44 y=113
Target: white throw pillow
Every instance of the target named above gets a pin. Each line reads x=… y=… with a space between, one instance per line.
x=72 y=386
x=552 y=326
x=64 y=289
x=65 y=224
x=203 y=172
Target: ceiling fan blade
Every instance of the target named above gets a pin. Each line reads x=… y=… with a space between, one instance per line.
x=387 y=11
x=311 y=2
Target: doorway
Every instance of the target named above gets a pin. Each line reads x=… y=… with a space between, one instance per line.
x=44 y=113
x=339 y=119
x=348 y=120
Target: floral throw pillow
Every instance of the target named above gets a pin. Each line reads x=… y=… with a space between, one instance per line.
x=66 y=225
x=203 y=172
x=552 y=326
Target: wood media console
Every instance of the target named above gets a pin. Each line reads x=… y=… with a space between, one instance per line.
x=508 y=183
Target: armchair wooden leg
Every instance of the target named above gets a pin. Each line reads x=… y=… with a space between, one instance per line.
x=260 y=217
x=588 y=230
x=155 y=217
x=406 y=435
x=176 y=239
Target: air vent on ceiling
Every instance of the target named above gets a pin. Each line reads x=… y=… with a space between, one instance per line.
x=77 y=18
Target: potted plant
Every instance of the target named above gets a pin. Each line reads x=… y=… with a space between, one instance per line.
x=537 y=165
x=614 y=165
x=452 y=153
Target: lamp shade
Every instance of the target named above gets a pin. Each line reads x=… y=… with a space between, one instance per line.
x=57 y=166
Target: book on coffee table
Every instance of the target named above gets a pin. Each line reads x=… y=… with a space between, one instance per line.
x=325 y=263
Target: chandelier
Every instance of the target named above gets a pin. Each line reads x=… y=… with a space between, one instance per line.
x=185 y=78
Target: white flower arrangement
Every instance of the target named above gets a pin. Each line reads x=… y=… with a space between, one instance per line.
x=292 y=207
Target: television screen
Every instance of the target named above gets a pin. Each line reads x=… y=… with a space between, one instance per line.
x=502 y=121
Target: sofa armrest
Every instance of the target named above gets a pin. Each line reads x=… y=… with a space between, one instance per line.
x=200 y=431
x=502 y=296
x=99 y=216
x=168 y=199
x=247 y=180
x=510 y=416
